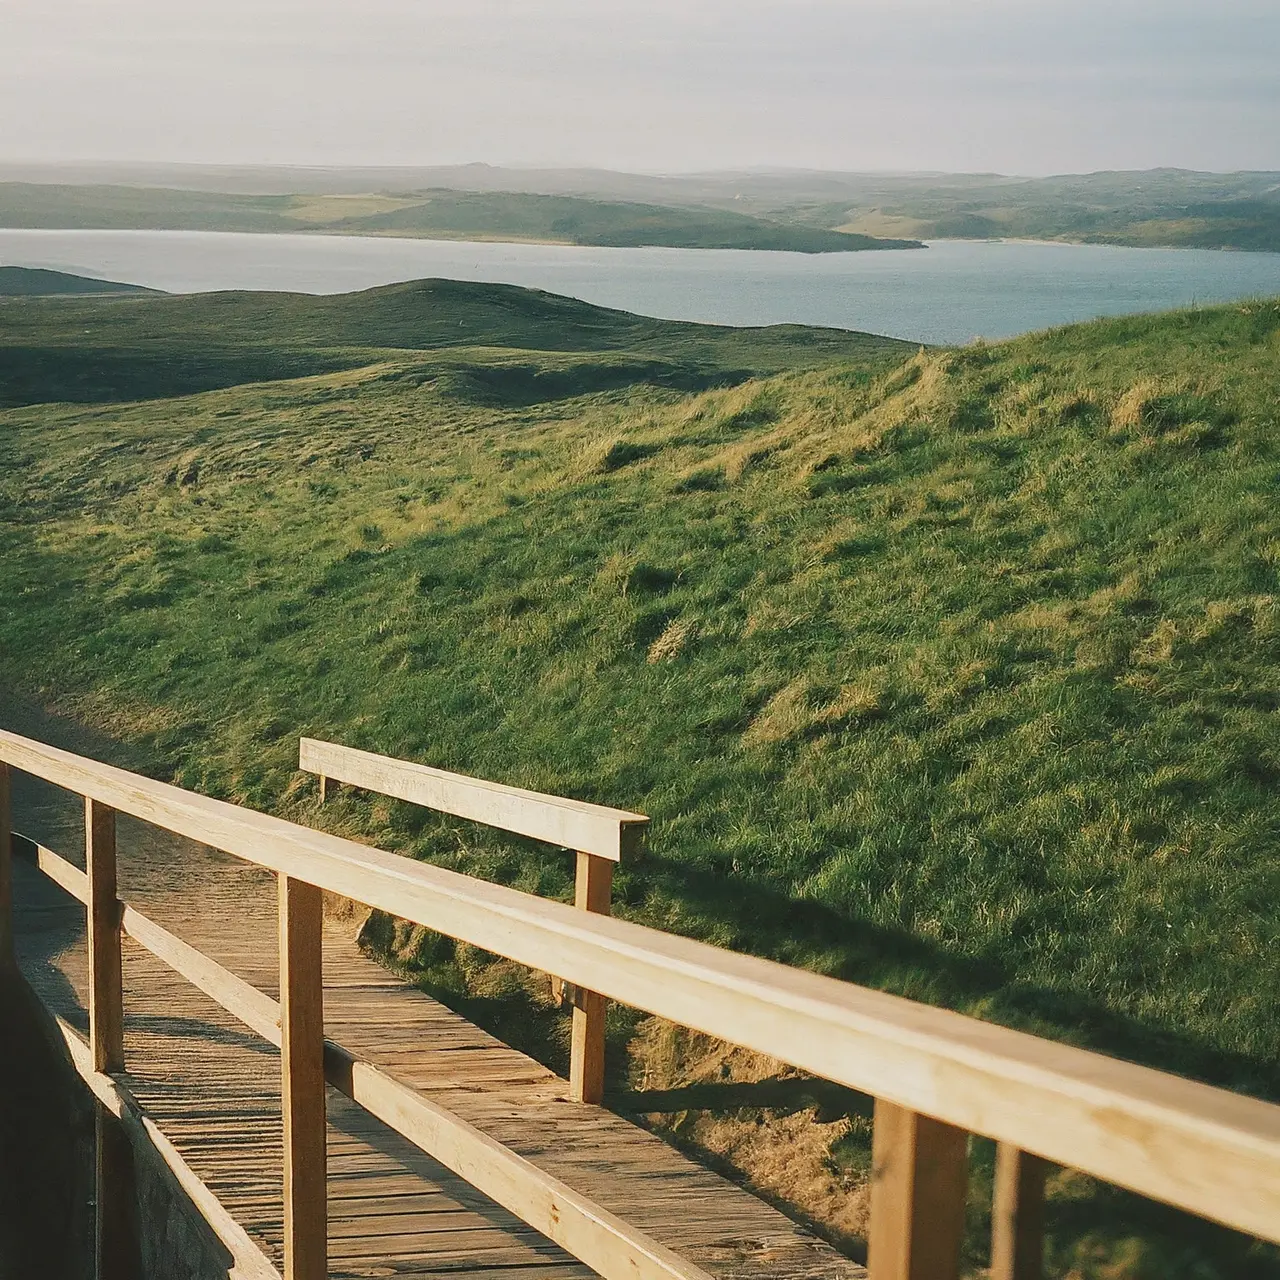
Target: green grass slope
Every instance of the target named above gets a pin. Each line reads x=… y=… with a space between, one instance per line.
x=957 y=677
x=38 y=281
x=455 y=215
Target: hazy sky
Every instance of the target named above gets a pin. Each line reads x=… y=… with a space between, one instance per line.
x=1036 y=86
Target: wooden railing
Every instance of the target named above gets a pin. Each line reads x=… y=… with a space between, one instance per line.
x=936 y=1076
x=598 y=836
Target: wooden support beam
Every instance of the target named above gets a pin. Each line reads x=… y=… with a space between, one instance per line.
x=115 y=1229
x=1017 y=1215
x=919 y=1176
x=324 y=787
x=302 y=1080
x=6 y=866
x=66 y=876
x=106 y=991
x=593 y=887
x=115 y=1235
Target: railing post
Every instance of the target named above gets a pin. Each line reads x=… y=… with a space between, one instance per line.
x=6 y=867
x=106 y=993
x=918 y=1180
x=593 y=887
x=1017 y=1215
x=115 y=1241
x=302 y=1080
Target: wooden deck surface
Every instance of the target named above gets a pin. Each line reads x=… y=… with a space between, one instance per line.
x=213 y=1088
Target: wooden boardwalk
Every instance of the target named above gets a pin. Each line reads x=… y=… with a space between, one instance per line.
x=214 y=1088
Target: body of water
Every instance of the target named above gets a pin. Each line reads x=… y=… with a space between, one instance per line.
x=951 y=292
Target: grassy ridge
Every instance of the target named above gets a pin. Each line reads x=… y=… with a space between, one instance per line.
x=458 y=215
x=143 y=348
x=955 y=674
x=40 y=282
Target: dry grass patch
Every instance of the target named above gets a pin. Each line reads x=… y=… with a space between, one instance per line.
x=673 y=639
x=785 y=716
x=787 y=1153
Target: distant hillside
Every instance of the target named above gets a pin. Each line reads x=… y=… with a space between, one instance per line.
x=1168 y=207
x=436 y=214
x=1176 y=207
x=27 y=282
x=163 y=345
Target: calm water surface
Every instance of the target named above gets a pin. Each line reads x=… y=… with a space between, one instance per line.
x=953 y=291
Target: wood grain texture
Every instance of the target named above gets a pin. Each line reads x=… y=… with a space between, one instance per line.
x=1017 y=1216
x=257 y=1011
x=246 y=1259
x=571 y=824
x=918 y=1182
x=593 y=886
x=106 y=987
x=612 y=1247
x=302 y=1076
x=1203 y=1149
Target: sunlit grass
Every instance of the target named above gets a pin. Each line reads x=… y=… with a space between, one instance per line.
x=957 y=678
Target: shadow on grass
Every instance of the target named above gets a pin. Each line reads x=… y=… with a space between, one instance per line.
x=782 y=1095
x=812 y=935
x=88 y=375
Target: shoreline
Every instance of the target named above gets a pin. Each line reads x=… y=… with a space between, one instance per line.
x=443 y=237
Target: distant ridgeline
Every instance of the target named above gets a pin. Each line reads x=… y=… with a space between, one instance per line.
x=27 y=282
x=435 y=214
x=808 y=211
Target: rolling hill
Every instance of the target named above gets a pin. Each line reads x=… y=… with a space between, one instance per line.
x=953 y=672
x=88 y=350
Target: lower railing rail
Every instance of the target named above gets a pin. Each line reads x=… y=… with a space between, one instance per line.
x=936 y=1076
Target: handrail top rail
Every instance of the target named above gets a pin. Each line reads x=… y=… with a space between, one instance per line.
x=572 y=824
x=1206 y=1149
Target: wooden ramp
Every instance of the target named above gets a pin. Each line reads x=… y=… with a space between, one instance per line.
x=213 y=1088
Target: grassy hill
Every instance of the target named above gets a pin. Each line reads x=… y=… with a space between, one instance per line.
x=16 y=282
x=438 y=214
x=163 y=345
x=952 y=672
